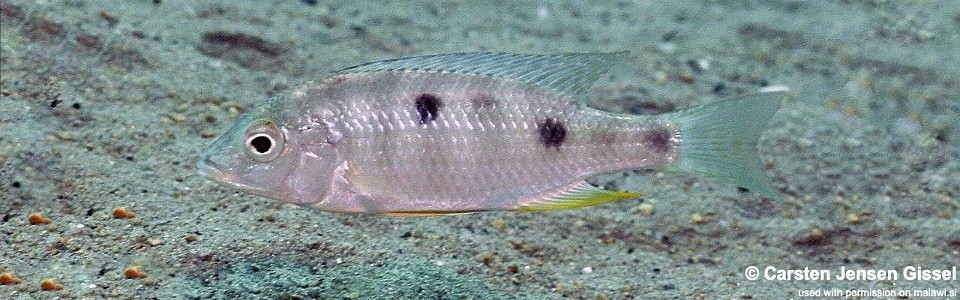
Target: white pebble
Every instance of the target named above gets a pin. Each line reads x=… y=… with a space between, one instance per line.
x=704 y=63
x=587 y=270
x=666 y=47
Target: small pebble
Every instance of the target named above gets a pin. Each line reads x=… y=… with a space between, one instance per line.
x=789 y=214
x=666 y=48
x=134 y=272
x=234 y=108
x=646 y=209
x=8 y=279
x=587 y=270
x=853 y=218
x=487 y=258
x=178 y=118
x=50 y=285
x=65 y=136
x=122 y=213
x=686 y=77
x=38 y=219
x=703 y=63
x=696 y=218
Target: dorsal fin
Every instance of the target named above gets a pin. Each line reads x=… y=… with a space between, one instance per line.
x=576 y=195
x=571 y=74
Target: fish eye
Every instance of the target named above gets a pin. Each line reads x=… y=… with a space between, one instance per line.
x=264 y=142
x=260 y=143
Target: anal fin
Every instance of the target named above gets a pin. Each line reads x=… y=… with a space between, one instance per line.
x=429 y=213
x=580 y=194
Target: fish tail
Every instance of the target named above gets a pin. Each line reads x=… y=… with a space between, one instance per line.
x=719 y=139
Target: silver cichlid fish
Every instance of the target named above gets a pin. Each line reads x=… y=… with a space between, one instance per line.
x=469 y=132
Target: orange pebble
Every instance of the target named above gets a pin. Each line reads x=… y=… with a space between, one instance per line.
x=134 y=273
x=50 y=285
x=122 y=213
x=8 y=279
x=38 y=219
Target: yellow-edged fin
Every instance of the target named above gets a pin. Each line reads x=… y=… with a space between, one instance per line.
x=577 y=195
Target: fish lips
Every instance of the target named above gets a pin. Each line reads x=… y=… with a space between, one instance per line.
x=209 y=169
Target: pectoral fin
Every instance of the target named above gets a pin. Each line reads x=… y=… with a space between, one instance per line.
x=577 y=195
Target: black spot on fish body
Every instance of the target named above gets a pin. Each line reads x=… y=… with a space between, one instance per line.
x=552 y=133
x=657 y=139
x=428 y=107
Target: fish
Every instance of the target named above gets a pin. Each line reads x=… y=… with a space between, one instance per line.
x=469 y=132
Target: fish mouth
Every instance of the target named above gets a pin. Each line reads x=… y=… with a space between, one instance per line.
x=211 y=170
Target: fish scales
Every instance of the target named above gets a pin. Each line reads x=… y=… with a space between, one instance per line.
x=497 y=157
x=457 y=133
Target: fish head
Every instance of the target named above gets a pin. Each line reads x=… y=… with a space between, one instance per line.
x=256 y=155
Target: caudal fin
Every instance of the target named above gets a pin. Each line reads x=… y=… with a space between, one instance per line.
x=719 y=139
